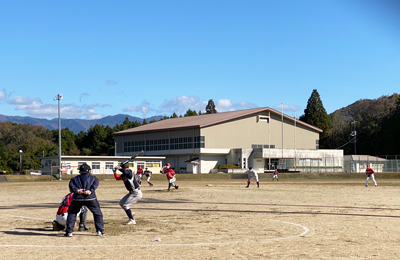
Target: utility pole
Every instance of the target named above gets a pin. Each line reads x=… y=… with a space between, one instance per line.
x=354 y=134
x=59 y=97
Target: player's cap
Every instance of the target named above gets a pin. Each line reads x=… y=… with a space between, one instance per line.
x=168 y=164
x=367 y=165
x=84 y=168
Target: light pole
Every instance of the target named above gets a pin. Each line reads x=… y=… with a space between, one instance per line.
x=59 y=97
x=354 y=134
x=20 y=161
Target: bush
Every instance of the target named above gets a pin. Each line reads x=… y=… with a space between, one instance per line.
x=227 y=166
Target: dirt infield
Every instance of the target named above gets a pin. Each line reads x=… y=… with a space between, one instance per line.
x=211 y=219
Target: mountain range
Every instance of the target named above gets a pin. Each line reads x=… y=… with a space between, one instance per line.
x=75 y=125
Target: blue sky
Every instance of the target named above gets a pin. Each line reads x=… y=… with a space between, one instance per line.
x=147 y=58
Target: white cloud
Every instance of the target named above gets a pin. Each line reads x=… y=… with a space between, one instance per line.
x=286 y=108
x=34 y=106
x=144 y=108
x=226 y=105
x=3 y=95
x=181 y=104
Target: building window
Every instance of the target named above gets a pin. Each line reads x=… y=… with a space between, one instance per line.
x=316 y=144
x=135 y=146
x=262 y=146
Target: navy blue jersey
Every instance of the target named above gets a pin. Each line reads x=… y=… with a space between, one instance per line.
x=129 y=179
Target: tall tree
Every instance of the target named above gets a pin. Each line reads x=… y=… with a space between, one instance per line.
x=210 y=108
x=315 y=115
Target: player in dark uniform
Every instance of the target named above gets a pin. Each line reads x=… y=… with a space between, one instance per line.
x=83 y=187
x=148 y=174
x=131 y=184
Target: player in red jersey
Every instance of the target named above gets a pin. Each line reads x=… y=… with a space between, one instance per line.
x=370 y=174
x=170 y=176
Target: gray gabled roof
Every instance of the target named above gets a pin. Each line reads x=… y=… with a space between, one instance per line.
x=203 y=121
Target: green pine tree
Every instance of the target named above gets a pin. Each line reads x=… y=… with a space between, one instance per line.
x=315 y=115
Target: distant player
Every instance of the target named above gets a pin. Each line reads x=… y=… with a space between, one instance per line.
x=148 y=174
x=275 y=175
x=370 y=174
x=131 y=184
x=62 y=214
x=139 y=175
x=170 y=176
x=252 y=175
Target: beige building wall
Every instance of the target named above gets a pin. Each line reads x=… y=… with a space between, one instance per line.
x=243 y=133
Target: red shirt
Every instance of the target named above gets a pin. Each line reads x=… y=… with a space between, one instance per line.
x=140 y=171
x=170 y=173
x=65 y=203
x=369 y=171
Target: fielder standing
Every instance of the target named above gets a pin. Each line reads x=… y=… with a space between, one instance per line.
x=275 y=175
x=139 y=174
x=170 y=176
x=148 y=174
x=370 y=174
x=134 y=195
x=252 y=175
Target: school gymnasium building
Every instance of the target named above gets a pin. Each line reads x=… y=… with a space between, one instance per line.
x=262 y=138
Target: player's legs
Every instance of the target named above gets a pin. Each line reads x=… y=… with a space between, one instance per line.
x=373 y=179
x=73 y=210
x=366 y=183
x=94 y=207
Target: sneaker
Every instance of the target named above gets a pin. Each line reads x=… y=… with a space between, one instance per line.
x=176 y=187
x=131 y=222
x=246 y=186
x=68 y=234
x=376 y=185
x=366 y=185
x=100 y=233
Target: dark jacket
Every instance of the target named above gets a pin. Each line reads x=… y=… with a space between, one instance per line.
x=86 y=182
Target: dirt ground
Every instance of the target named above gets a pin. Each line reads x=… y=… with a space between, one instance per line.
x=215 y=219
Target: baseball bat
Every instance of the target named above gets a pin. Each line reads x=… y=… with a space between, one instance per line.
x=133 y=157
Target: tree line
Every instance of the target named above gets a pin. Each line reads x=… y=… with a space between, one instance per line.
x=376 y=122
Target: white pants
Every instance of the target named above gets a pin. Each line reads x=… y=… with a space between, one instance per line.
x=139 y=177
x=253 y=177
x=62 y=219
x=129 y=199
x=148 y=178
x=275 y=176
x=172 y=180
x=373 y=179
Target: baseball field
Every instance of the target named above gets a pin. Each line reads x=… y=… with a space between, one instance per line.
x=211 y=218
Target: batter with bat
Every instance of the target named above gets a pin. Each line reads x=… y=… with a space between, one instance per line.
x=131 y=184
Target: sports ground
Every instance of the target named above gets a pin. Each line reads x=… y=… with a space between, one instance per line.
x=211 y=218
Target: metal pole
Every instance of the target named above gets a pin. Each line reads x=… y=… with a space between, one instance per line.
x=20 y=161
x=59 y=97
x=282 y=135
x=269 y=141
x=295 y=140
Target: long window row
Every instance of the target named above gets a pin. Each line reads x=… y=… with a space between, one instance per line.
x=262 y=146
x=165 y=144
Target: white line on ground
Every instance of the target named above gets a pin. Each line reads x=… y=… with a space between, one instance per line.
x=157 y=244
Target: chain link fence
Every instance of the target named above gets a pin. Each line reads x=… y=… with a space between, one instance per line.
x=341 y=164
